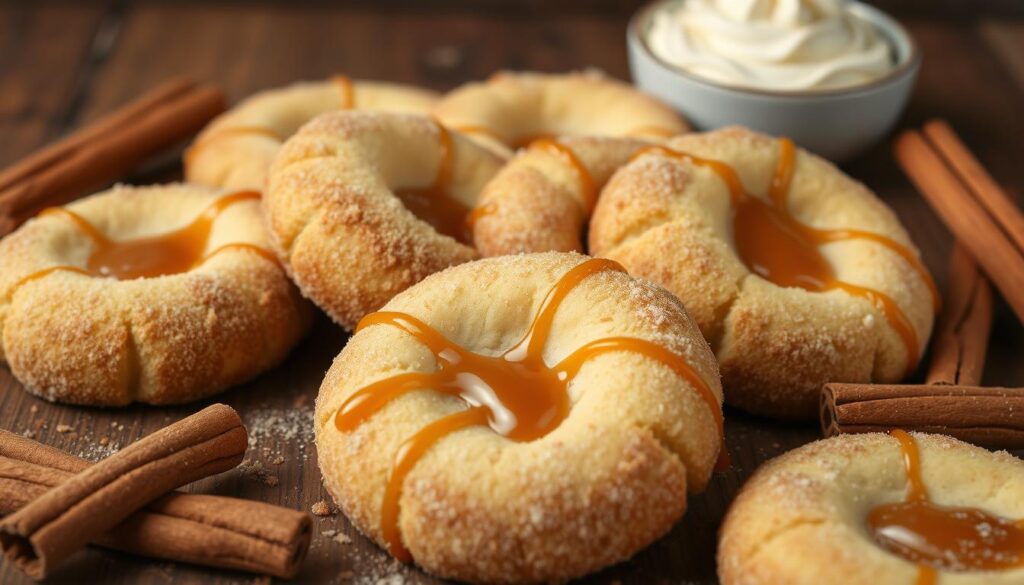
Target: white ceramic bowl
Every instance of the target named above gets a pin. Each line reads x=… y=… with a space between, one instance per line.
x=837 y=124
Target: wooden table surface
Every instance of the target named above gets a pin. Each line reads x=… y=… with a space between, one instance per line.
x=63 y=64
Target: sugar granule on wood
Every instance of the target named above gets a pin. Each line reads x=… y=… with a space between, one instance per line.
x=255 y=470
x=337 y=536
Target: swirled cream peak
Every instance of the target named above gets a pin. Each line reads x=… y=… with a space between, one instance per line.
x=782 y=45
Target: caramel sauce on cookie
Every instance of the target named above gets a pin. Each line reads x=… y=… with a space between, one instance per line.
x=433 y=204
x=588 y=188
x=151 y=256
x=942 y=537
x=515 y=394
x=776 y=246
x=347 y=90
x=347 y=101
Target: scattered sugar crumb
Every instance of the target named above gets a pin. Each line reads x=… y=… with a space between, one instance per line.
x=275 y=431
x=34 y=409
x=104 y=440
x=337 y=536
x=322 y=508
x=62 y=428
x=255 y=470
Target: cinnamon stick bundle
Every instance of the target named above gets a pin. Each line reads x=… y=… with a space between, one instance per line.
x=213 y=531
x=961 y=337
x=971 y=204
x=106 y=149
x=990 y=417
x=91 y=503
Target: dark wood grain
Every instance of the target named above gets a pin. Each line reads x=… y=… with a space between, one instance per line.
x=63 y=64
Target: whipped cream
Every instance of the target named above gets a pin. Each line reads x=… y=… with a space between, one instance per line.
x=785 y=45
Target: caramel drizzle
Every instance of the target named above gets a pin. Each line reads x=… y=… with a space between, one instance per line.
x=347 y=90
x=433 y=204
x=939 y=537
x=588 y=189
x=587 y=186
x=516 y=394
x=777 y=247
x=150 y=256
x=348 y=100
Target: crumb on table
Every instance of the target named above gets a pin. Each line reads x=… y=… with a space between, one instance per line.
x=322 y=508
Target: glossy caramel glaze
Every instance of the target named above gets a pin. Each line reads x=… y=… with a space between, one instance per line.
x=151 y=256
x=942 y=537
x=516 y=394
x=588 y=188
x=776 y=246
x=433 y=204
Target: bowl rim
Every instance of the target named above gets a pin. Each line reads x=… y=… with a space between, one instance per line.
x=889 y=26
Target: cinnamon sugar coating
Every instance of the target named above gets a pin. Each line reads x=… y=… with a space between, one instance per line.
x=802 y=518
x=511 y=108
x=236 y=149
x=671 y=222
x=348 y=241
x=75 y=338
x=612 y=478
x=538 y=203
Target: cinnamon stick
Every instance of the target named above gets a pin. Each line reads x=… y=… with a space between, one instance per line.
x=213 y=531
x=971 y=172
x=961 y=338
x=92 y=502
x=106 y=149
x=959 y=207
x=990 y=417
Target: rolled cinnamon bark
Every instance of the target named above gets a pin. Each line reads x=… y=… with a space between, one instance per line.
x=961 y=338
x=990 y=417
x=213 y=531
x=89 y=504
x=106 y=149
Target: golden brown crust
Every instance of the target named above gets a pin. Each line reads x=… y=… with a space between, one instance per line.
x=80 y=339
x=478 y=507
x=512 y=107
x=348 y=241
x=670 y=221
x=538 y=201
x=236 y=149
x=800 y=520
